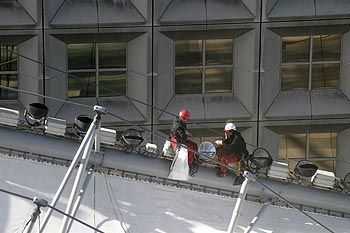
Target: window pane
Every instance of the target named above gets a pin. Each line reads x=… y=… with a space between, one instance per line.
x=188 y=53
x=9 y=80
x=323 y=145
x=295 y=77
x=219 y=52
x=218 y=80
x=81 y=56
x=326 y=48
x=295 y=49
x=82 y=84
x=112 y=55
x=326 y=165
x=325 y=76
x=292 y=146
x=188 y=81
x=8 y=57
x=112 y=83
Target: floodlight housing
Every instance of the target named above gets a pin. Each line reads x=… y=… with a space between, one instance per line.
x=131 y=138
x=81 y=124
x=324 y=179
x=55 y=126
x=279 y=170
x=36 y=114
x=9 y=117
x=305 y=169
x=108 y=136
x=346 y=182
x=260 y=158
x=207 y=148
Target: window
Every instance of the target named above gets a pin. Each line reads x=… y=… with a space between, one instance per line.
x=203 y=66
x=8 y=71
x=320 y=148
x=101 y=65
x=310 y=62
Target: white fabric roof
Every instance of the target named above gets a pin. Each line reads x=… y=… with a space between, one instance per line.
x=143 y=207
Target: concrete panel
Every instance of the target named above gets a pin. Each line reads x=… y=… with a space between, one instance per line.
x=332 y=8
x=193 y=103
x=293 y=9
x=270 y=4
x=141 y=7
x=118 y=12
x=227 y=10
x=249 y=136
x=290 y=104
x=269 y=141
x=138 y=89
x=245 y=89
x=345 y=56
x=77 y=12
x=56 y=79
x=160 y=7
x=164 y=54
x=185 y=11
x=223 y=107
x=31 y=7
x=51 y=8
x=246 y=51
x=137 y=54
x=343 y=148
x=345 y=65
x=270 y=88
x=13 y=14
x=29 y=77
x=271 y=50
x=164 y=92
x=252 y=6
x=329 y=103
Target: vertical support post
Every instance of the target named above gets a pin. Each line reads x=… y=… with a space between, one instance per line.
x=256 y=218
x=241 y=196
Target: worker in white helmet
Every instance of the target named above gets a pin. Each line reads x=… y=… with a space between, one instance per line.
x=231 y=149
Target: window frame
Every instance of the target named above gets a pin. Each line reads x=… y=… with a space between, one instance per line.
x=203 y=67
x=310 y=63
x=11 y=72
x=97 y=70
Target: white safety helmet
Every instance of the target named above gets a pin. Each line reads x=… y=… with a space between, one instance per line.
x=229 y=127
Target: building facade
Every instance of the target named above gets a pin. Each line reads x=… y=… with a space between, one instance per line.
x=279 y=69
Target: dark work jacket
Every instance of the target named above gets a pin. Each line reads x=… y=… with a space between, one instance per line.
x=178 y=130
x=236 y=144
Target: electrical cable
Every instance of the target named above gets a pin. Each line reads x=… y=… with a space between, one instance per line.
x=58 y=210
x=160 y=136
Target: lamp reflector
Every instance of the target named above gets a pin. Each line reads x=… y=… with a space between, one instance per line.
x=9 y=117
x=82 y=123
x=261 y=158
x=346 y=182
x=131 y=138
x=36 y=114
x=55 y=126
x=305 y=169
x=207 y=148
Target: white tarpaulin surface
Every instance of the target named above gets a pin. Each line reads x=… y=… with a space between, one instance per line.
x=114 y=204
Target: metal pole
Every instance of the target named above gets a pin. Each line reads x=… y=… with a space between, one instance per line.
x=36 y=212
x=256 y=218
x=80 y=197
x=88 y=136
x=77 y=183
x=241 y=196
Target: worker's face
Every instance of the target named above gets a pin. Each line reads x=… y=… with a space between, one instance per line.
x=183 y=119
x=228 y=133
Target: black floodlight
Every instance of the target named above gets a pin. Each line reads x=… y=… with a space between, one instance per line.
x=207 y=148
x=81 y=125
x=131 y=138
x=305 y=168
x=260 y=158
x=346 y=182
x=36 y=114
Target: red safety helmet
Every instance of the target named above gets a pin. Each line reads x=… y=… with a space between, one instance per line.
x=184 y=114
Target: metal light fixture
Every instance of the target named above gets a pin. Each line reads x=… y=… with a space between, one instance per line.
x=131 y=138
x=55 y=126
x=259 y=159
x=36 y=114
x=279 y=170
x=346 y=182
x=305 y=169
x=81 y=125
x=9 y=117
x=108 y=136
x=324 y=179
x=149 y=150
x=207 y=148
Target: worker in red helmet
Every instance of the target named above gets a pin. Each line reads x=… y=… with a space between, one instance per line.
x=231 y=149
x=180 y=134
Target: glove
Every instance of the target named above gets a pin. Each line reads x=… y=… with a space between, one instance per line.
x=218 y=142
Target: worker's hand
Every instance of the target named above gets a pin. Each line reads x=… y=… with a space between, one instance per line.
x=218 y=142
